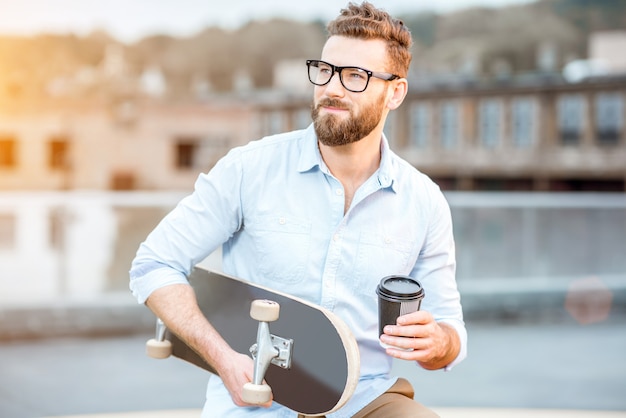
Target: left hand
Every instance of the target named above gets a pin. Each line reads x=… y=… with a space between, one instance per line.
x=434 y=345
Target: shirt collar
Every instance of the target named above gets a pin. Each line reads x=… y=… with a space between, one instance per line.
x=310 y=158
x=386 y=173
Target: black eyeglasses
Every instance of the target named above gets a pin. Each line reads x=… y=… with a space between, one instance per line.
x=354 y=79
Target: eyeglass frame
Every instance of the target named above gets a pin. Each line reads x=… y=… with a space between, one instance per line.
x=337 y=69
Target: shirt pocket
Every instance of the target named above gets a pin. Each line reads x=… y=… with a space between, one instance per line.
x=282 y=244
x=380 y=255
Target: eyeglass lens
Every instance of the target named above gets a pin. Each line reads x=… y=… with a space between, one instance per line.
x=352 y=78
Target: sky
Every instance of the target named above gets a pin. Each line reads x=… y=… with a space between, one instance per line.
x=130 y=20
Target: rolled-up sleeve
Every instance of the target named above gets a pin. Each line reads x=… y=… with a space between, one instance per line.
x=196 y=227
x=147 y=277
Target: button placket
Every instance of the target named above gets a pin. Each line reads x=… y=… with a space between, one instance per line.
x=333 y=259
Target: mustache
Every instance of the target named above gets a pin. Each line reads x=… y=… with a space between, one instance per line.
x=332 y=103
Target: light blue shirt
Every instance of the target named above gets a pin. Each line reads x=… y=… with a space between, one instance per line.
x=278 y=214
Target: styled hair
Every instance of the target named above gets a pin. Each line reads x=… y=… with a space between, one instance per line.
x=366 y=22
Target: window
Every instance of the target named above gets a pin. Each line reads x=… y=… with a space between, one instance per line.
x=449 y=124
x=609 y=118
x=7 y=231
x=122 y=180
x=490 y=122
x=571 y=110
x=58 y=153
x=8 y=150
x=420 y=125
x=186 y=150
x=523 y=122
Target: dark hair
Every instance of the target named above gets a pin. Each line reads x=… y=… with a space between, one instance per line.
x=365 y=21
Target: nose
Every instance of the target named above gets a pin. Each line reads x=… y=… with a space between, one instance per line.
x=334 y=86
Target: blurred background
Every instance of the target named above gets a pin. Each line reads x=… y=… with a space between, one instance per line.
x=110 y=110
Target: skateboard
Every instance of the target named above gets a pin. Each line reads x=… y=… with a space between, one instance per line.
x=306 y=354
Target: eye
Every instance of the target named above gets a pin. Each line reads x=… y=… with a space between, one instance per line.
x=323 y=68
x=355 y=73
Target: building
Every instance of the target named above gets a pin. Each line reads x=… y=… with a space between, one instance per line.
x=123 y=145
x=535 y=134
x=607 y=47
x=538 y=134
x=82 y=184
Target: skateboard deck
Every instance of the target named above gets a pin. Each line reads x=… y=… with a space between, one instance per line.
x=324 y=357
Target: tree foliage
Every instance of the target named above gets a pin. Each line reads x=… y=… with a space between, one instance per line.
x=44 y=64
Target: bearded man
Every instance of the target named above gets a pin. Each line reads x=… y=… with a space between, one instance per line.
x=322 y=214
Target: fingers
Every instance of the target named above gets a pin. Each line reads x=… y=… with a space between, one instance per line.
x=411 y=331
x=415 y=325
x=415 y=318
x=236 y=376
x=408 y=348
x=412 y=337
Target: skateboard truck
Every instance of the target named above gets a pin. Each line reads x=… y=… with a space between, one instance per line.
x=267 y=349
x=159 y=347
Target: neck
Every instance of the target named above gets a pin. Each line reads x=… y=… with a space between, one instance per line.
x=352 y=161
x=353 y=164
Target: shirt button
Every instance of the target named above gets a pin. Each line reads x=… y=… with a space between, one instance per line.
x=282 y=221
x=338 y=192
x=336 y=237
x=387 y=240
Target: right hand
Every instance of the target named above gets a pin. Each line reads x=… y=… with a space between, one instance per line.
x=235 y=371
x=176 y=305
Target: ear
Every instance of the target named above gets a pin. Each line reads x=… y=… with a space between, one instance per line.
x=398 y=90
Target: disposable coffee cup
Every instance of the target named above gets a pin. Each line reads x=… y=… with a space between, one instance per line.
x=397 y=296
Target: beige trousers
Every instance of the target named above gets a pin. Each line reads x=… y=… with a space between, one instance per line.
x=397 y=402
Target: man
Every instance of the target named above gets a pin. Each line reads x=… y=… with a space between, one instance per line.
x=323 y=214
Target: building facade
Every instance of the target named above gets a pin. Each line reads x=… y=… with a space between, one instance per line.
x=81 y=185
x=538 y=136
x=533 y=136
x=125 y=145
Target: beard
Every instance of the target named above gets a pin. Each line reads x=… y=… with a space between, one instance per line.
x=332 y=131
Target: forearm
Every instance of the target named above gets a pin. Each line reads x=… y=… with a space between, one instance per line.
x=449 y=349
x=177 y=307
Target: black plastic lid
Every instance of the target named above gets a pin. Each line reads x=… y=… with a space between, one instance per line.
x=401 y=286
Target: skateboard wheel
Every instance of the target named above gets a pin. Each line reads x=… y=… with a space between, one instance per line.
x=256 y=394
x=264 y=310
x=158 y=349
